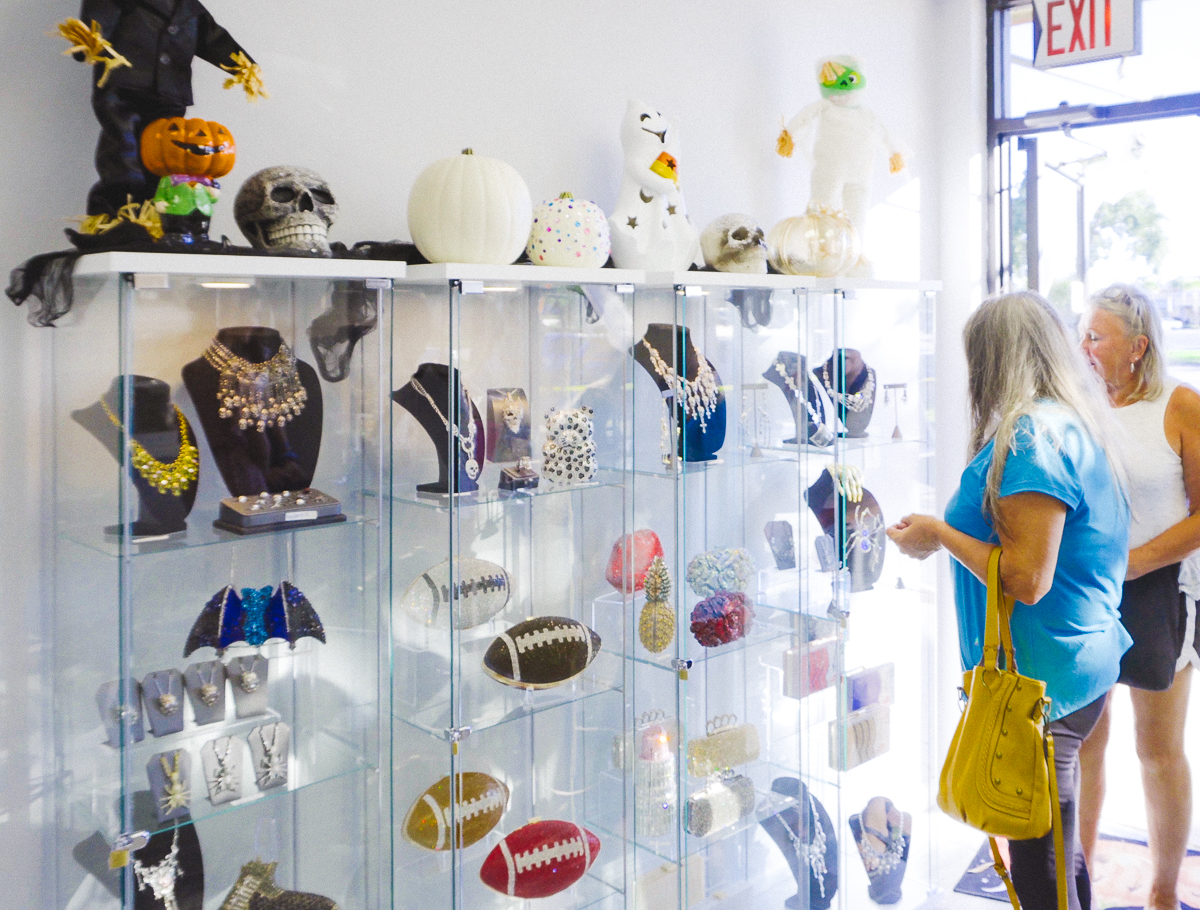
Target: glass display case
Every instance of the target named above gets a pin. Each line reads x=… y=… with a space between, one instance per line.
x=219 y=653
x=509 y=487
x=779 y=425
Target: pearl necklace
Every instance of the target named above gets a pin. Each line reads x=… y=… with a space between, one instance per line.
x=699 y=395
x=854 y=401
x=171 y=478
x=261 y=395
x=466 y=443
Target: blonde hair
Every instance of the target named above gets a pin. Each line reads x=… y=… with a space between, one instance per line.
x=1138 y=317
x=1019 y=353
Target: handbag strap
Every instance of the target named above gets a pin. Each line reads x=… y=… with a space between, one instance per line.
x=1060 y=865
x=997 y=632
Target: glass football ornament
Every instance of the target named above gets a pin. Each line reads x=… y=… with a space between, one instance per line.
x=821 y=242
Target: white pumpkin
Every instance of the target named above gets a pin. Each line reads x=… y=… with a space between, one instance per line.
x=468 y=208
x=820 y=242
x=569 y=232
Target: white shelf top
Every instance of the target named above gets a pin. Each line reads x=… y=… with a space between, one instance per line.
x=729 y=280
x=874 y=284
x=525 y=274
x=239 y=266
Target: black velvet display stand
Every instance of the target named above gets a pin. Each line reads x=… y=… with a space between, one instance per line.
x=250 y=462
x=802 y=822
x=435 y=379
x=847 y=364
x=808 y=429
x=155 y=428
x=675 y=348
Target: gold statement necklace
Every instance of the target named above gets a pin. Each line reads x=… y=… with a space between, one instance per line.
x=259 y=395
x=171 y=478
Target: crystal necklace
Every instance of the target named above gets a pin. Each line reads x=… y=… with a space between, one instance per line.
x=273 y=767
x=261 y=395
x=466 y=443
x=792 y=384
x=208 y=692
x=855 y=401
x=224 y=778
x=813 y=854
x=171 y=478
x=699 y=395
x=166 y=701
x=160 y=878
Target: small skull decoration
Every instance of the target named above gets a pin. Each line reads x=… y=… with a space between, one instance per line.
x=734 y=243
x=286 y=208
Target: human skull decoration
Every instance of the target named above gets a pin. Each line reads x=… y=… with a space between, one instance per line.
x=734 y=243
x=286 y=208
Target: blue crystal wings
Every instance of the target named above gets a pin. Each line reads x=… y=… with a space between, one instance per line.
x=255 y=617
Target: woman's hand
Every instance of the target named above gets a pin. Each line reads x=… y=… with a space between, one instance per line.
x=917 y=536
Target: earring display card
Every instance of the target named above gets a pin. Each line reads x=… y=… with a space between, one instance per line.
x=163 y=691
x=783 y=547
x=868 y=734
x=508 y=425
x=205 y=684
x=269 y=751
x=222 y=761
x=872 y=686
x=170 y=776
x=810 y=668
x=108 y=701
x=249 y=677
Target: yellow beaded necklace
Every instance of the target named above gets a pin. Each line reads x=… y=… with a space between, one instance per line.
x=171 y=478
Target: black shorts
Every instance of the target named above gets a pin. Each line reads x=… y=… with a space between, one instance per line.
x=1154 y=613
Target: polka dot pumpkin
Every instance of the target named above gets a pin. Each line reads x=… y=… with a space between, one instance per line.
x=569 y=232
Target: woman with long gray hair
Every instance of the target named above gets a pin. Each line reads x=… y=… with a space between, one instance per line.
x=1122 y=339
x=1039 y=486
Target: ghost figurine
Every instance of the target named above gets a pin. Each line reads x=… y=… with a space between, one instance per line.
x=734 y=243
x=649 y=225
x=843 y=149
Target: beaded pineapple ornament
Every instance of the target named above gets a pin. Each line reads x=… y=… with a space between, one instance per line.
x=656 y=625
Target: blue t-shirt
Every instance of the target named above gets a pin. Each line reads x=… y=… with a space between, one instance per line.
x=1072 y=638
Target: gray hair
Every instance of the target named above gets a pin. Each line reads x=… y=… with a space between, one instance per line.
x=1138 y=317
x=1018 y=353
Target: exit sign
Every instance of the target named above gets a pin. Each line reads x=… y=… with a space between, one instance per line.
x=1079 y=31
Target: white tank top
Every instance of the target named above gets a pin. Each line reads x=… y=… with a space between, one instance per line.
x=1156 y=494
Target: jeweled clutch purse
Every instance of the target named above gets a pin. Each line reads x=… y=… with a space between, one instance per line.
x=727 y=744
x=722 y=803
x=479 y=591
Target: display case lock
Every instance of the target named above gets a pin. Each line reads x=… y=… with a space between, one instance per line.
x=124 y=845
x=681 y=667
x=455 y=735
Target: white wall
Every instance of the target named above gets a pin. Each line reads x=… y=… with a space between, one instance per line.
x=369 y=93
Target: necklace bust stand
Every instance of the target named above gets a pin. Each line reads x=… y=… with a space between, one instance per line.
x=281 y=459
x=156 y=429
x=798 y=827
x=434 y=378
x=673 y=344
x=188 y=873
x=813 y=427
x=854 y=399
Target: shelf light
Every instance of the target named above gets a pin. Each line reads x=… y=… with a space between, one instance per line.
x=230 y=284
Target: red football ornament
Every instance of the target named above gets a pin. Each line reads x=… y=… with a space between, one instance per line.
x=630 y=558
x=540 y=859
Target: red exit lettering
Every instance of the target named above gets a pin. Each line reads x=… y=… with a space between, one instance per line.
x=1079 y=41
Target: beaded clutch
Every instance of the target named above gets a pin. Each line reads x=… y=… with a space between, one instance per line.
x=728 y=743
x=719 y=805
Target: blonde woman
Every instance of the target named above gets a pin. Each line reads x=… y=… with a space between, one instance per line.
x=1039 y=485
x=1122 y=340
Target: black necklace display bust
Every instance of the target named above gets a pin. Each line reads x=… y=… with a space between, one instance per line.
x=160 y=430
x=789 y=372
x=446 y=426
x=666 y=348
x=251 y=462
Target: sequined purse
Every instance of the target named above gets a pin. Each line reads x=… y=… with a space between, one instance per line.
x=724 y=802
x=728 y=743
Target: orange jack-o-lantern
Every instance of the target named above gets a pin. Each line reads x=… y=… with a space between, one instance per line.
x=200 y=148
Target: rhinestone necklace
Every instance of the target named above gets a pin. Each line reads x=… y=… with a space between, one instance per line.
x=855 y=401
x=699 y=395
x=813 y=854
x=466 y=443
x=171 y=478
x=260 y=395
x=792 y=384
x=160 y=878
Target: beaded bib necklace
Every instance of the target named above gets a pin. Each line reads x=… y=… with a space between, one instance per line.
x=259 y=395
x=171 y=478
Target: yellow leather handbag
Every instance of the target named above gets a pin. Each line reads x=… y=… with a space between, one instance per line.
x=999 y=772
